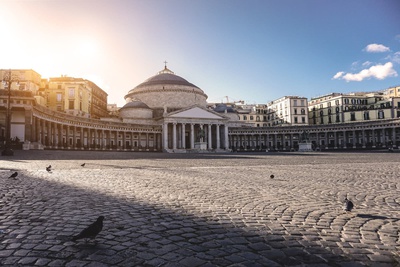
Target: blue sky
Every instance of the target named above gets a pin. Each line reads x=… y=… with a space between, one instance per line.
x=256 y=51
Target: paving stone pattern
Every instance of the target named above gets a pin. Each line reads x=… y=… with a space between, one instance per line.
x=200 y=209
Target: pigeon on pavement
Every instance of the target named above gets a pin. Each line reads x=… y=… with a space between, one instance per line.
x=48 y=169
x=91 y=231
x=272 y=176
x=348 y=205
x=14 y=175
x=83 y=165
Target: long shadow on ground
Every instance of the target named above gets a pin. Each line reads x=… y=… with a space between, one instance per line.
x=38 y=217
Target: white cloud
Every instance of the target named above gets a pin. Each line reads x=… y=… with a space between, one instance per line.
x=376 y=48
x=338 y=75
x=395 y=57
x=367 y=63
x=379 y=72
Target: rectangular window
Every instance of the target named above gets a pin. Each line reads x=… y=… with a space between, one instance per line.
x=71 y=92
x=59 y=97
x=303 y=119
x=295 y=103
x=71 y=104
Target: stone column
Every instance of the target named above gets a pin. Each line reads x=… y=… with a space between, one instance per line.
x=109 y=139
x=344 y=140
x=373 y=138
x=165 y=136
x=49 y=133
x=174 y=135
x=363 y=139
x=209 y=136
x=218 y=137
x=291 y=141
x=67 y=133
x=116 y=139
x=183 y=136
x=102 y=139
x=191 y=136
x=226 y=136
x=60 y=136
x=123 y=140
x=327 y=140
x=335 y=141
x=354 y=139
x=131 y=140
x=82 y=137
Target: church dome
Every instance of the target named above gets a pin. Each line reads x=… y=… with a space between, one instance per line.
x=223 y=108
x=135 y=104
x=167 y=90
x=135 y=109
x=165 y=77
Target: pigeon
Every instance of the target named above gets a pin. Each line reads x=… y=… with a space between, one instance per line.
x=272 y=176
x=348 y=205
x=48 y=169
x=91 y=231
x=14 y=175
x=83 y=165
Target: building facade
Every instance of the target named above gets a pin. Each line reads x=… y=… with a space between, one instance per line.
x=75 y=96
x=168 y=113
x=288 y=110
x=355 y=107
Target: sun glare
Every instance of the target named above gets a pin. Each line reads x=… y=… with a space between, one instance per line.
x=87 y=48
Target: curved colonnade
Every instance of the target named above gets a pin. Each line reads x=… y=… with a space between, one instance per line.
x=367 y=135
x=49 y=129
x=55 y=130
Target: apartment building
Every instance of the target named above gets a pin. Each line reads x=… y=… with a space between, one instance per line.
x=24 y=79
x=75 y=96
x=288 y=110
x=253 y=115
x=353 y=107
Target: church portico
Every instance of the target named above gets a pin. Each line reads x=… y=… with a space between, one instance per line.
x=195 y=129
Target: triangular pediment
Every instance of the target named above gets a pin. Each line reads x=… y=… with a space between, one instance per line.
x=195 y=113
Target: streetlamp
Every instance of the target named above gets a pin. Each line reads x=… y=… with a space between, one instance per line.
x=8 y=80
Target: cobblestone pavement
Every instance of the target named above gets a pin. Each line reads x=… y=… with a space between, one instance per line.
x=200 y=209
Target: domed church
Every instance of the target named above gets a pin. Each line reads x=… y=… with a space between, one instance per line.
x=180 y=108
